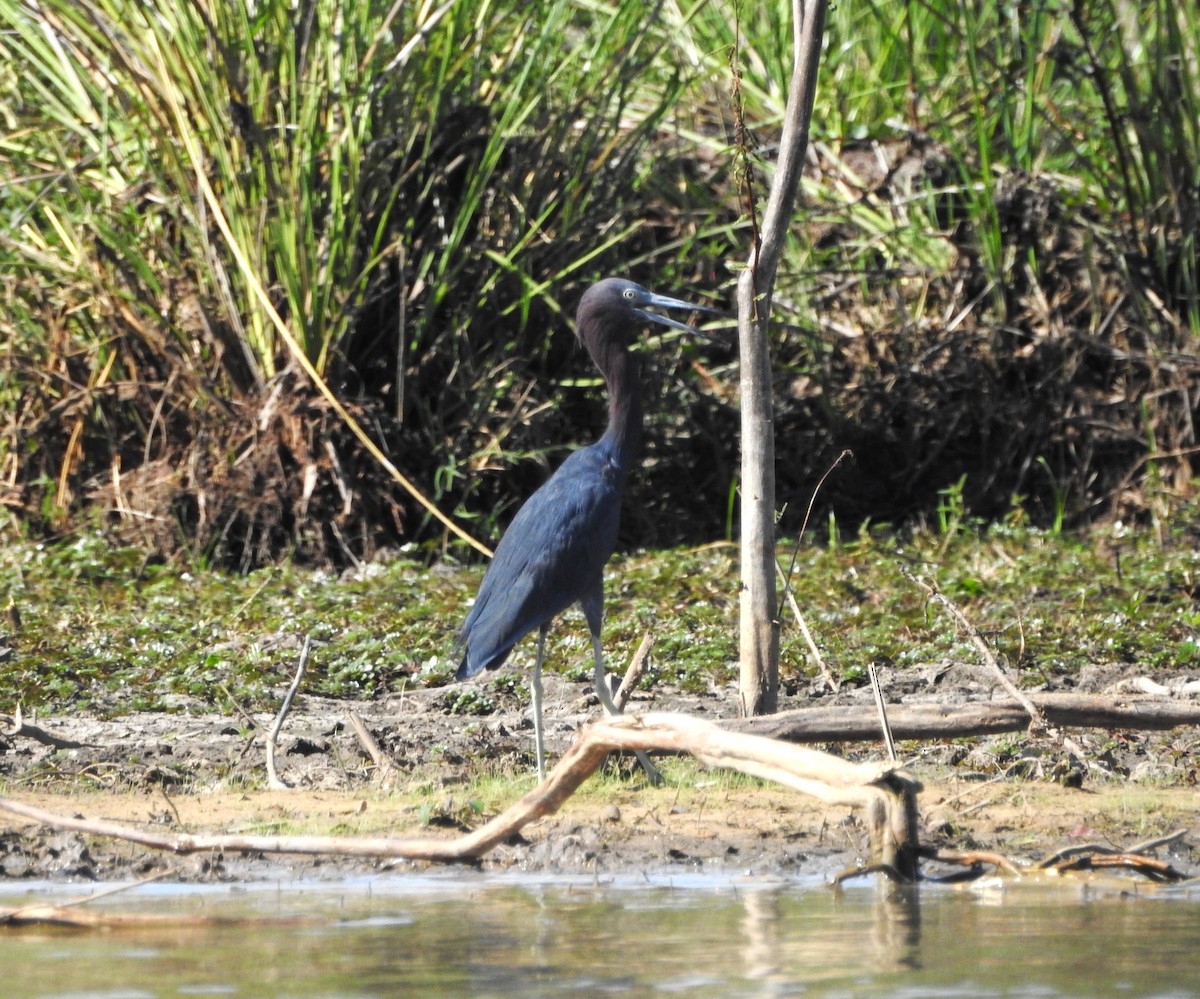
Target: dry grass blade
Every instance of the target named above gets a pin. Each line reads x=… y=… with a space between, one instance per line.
x=274 y=781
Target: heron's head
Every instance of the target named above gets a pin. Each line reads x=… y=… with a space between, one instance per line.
x=613 y=310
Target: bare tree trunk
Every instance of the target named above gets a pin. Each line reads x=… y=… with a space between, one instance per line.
x=759 y=631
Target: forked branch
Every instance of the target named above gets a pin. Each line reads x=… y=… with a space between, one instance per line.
x=885 y=792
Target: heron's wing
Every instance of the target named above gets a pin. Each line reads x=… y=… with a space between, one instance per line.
x=552 y=555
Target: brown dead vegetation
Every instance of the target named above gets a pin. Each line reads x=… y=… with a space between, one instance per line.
x=1066 y=387
x=1069 y=385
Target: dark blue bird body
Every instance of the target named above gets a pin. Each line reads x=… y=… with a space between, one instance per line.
x=552 y=555
x=554 y=552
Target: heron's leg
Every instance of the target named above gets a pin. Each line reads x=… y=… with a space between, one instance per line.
x=602 y=688
x=535 y=690
x=610 y=707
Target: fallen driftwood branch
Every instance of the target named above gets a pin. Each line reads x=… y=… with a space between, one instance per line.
x=885 y=792
x=944 y=721
x=1080 y=857
x=1093 y=856
x=72 y=915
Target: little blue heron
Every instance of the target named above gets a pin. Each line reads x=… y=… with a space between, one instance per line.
x=553 y=553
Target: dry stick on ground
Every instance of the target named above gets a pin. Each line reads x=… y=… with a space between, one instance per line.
x=383 y=762
x=808 y=638
x=885 y=792
x=273 y=779
x=881 y=709
x=247 y=718
x=1037 y=723
x=637 y=667
x=1035 y=716
x=15 y=724
x=945 y=721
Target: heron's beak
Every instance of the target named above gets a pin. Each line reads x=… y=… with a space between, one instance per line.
x=663 y=302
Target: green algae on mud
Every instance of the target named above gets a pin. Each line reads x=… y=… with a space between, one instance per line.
x=107 y=628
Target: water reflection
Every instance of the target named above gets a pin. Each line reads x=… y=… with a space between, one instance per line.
x=483 y=935
x=760 y=935
x=897 y=928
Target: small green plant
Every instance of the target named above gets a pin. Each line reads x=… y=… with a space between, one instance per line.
x=951 y=509
x=469 y=701
x=1060 y=497
x=449 y=812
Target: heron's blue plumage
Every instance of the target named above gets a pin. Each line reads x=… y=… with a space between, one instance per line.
x=552 y=555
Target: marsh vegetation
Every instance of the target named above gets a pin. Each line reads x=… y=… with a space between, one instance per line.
x=210 y=210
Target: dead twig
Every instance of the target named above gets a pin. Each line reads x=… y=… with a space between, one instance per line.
x=15 y=725
x=637 y=667
x=813 y=651
x=171 y=805
x=830 y=681
x=1037 y=720
x=1146 y=845
x=881 y=708
x=274 y=781
x=383 y=762
x=246 y=716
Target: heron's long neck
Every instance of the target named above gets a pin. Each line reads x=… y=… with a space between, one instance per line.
x=624 y=431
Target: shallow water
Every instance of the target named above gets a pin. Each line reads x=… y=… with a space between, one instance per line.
x=459 y=934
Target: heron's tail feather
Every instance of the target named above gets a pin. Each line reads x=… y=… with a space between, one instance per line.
x=466 y=669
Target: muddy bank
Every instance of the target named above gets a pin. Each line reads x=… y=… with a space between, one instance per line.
x=199 y=771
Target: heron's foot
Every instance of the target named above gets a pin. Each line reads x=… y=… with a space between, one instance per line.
x=653 y=774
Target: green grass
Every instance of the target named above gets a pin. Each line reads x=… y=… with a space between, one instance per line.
x=91 y=626
x=310 y=127
x=419 y=192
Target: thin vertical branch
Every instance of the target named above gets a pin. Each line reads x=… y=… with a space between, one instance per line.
x=759 y=626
